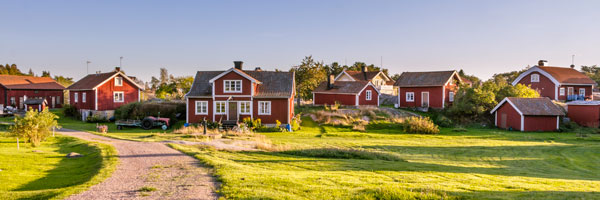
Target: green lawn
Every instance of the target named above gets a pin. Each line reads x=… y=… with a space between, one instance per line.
x=48 y=174
x=478 y=164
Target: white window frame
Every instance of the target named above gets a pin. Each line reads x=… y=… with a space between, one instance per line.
x=369 y=95
x=535 y=78
x=570 y=91
x=226 y=90
x=122 y=97
x=264 y=108
x=241 y=108
x=203 y=107
x=13 y=100
x=83 y=97
x=562 y=91
x=451 y=96
x=411 y=95
x=76 y=97
x=582 y=91
x=223 y=111
x=120 y=82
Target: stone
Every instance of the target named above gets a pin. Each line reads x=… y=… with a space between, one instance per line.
x=74 y=155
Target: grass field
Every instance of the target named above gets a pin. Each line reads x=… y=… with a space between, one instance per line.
x=48 y=174
x=478 y=164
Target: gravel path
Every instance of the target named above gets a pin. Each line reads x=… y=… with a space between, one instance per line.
x=149 y=164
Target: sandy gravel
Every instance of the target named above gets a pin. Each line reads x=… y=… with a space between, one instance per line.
x=151 y=164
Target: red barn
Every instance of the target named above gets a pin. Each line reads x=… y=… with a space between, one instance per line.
x=232 y=95
x=434 y=89
x=104 y=91
x=557 y=83
x=16 y=89
x=348 y=93
x=584 y=113
x=527 y=114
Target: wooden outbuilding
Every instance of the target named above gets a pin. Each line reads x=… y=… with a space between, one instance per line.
x=14 y=90
x=433 y=89
x=37 y=104
x=527 y=114
x=584 y=113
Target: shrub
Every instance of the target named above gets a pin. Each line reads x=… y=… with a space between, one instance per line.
x=252 y=124
x=443 y=121
x=296 y=121
x=422 y=125
x=139 y=110
x=96 y=118
x=70 y=111
x=568 y=126
x=35 y=126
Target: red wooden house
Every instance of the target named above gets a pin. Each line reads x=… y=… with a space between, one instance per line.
x=584 y=113
x=434 y=89
x=382 y=82
x=348 y=93
x=16 y=89
x=557 y=83
x=104 y=91
x=232 y=95
x=527 y=114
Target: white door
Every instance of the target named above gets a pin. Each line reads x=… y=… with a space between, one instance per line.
x=425 y=99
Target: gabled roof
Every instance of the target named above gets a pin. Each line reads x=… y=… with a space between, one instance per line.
x=240 y=72
x=362 y=76
x=272 y=84
x=92 y=81
x=425 y=79
x=29 y=83
x=542 y=106
x=343 y=87
x=559 y=75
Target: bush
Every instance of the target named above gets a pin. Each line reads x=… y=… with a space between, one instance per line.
x=35 y=126
x=252 y=124
x=96 y=118
x=443 y=121
x=422 y=125
x=70 y=111
x=139 y=110
x=296 y=121
x=568 y=126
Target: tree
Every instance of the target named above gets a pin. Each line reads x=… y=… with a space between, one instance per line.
x=45 y=73
x=35 y=127
x=471 y=78
x=395 y=77
x=64 y=81
x=154 y=82
x=335 y=68
x=309 y=74
x=30 y=73
x=164 y=76
x=592 y=71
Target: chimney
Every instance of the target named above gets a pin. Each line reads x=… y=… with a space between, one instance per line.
x=364 y=69
x=238 y=64
x=258 y=69
x=542 y=63
x=572 y=66
x=330 y=81
x=117 y=69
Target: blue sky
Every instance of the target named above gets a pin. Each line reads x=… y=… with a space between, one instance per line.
x=481 y=37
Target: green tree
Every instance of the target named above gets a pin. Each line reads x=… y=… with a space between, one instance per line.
x=471 y=78
x=164 y=75
x=45 y=73
x=593 y=72
x=35 y=126
x=64 y=81
x=30 y=73
x=334 y=68
x=309 y=74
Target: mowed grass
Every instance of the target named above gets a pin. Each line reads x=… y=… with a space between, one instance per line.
x=47 y=173
x=477 y=164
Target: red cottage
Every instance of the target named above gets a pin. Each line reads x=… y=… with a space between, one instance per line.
x=527 y=114
x=427 y=89
x=104 y=91
x=16 y=89
x=348 y=93
x=557 y=83
x=382 y=82
x=232 y=95
x=584 y=113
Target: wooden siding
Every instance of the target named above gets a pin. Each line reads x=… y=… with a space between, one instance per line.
x=585 y=115
x=106 y=98
x=5 y=96
x=329 y=99
x=362 y=97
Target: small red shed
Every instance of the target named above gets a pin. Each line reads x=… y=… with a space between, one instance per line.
x=584 y=113
x=348 y=93
x=527 y=114
x=37 y=104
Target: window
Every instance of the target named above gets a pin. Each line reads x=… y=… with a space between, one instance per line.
x=562 y=91
x=451 y=96
x=410 y=97
x=118 y=97
x=118 y=81
x=13 y=101
x=368 y=96
x=264 y=107
x=76 y=97
x=220 y=107
x=570 y=91
x=57 y=99
x=535 y=78
x=83 y=97
x=201 y=107
x=582 y=91
x=232 y=86
x=245 y=107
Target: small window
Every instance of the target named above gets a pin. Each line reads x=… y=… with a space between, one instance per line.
x=245 y=107
x=118 y=97
x=535 y=78
x=368 y=96
x=562 y=91
x=76 y=97
x=582 y=91
x=451 y=96
x=118 y=81
x=570 y=91
x=83 y=97
x=13 y=101
x=410 y=97
x=201 y=107
x=264 y=107
x=232 y=86
x=220 y=107
x=58 y=100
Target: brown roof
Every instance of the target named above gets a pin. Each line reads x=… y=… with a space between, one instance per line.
x=424 y=79
x=360 y=76
x=348 y=87
x=273 y=84
x=92 y=80
x=567 y=75
x=29 y=82
x=536 y=106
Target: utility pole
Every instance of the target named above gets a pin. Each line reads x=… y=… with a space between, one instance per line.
x=120 y=61
x=87 y=69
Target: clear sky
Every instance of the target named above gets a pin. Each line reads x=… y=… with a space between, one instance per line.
x=481 y=37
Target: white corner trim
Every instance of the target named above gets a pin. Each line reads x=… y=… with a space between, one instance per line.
x=443 y=96
x=96 y=99
x=557 y=123
x=535 y=69
x=522 y=123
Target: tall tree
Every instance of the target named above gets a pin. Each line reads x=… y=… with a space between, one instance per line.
x=45 y=73
x=30 y=73
x=334 y=68
x=164 y=75
x=309 y=74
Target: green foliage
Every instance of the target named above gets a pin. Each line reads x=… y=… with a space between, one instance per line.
x=296 y=121
x=10 y=70
x=96 y=118
x=309 y=74
x=140 y=110
x=343 y=153
x=170 y=87
x=35 y=126
x=252 y=124
x=593 y=72
x=422 y=125
x=147 y=189
x=443 y=121
x=64 y=81
x=70 y=111
x=471 y=78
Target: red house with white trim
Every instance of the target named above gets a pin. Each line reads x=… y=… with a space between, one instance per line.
x=232 y=95
x=527 y=114
x=433 y=89
x=16 y=90
x=104 y=91
x=557 y=83
x=348 y=93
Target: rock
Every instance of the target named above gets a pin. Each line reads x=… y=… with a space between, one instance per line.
x=74 y=155
x=37 y=151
